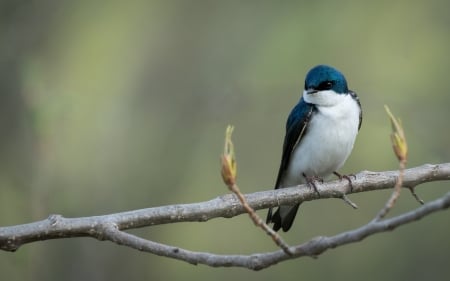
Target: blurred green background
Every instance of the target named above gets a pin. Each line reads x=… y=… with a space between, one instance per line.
x=119 y=105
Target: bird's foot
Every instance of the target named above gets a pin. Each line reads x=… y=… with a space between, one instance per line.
x=311 y=182
x=347 y=177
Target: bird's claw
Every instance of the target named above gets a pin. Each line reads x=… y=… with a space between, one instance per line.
x=311 y=182
x=347 y=177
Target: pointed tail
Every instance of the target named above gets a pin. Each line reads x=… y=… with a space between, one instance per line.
x=283 y=217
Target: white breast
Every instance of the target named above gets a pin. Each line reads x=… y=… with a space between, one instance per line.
x=328 y=141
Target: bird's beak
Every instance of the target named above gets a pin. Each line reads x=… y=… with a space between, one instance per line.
x=311 y=91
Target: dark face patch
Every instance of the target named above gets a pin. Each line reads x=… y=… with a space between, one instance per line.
x=324 y=77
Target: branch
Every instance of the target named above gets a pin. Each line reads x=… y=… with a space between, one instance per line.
x=400 y=147
x=229 y=171
x=110 y=227
x=314 y=247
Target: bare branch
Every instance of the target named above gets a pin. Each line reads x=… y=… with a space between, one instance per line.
x=229 y=171
x=395 y=194
x=400 y=146
x=259 y=222
x=110 y=227
x=414 y=194
x=314 y=247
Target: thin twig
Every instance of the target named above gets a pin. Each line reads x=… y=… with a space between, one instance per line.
x=229 y=171
x=414 y=194
x=259 y=222
x=395 y=194
x=400 y=147
x=349 y=202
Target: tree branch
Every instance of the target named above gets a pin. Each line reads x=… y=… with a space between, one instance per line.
x=110 y=227
x=313 y=247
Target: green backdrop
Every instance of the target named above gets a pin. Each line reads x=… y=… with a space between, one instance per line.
x=119 y=105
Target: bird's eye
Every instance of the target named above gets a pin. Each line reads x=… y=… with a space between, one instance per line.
x=326 y=85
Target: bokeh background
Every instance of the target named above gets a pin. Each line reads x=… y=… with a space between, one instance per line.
x=119 y=105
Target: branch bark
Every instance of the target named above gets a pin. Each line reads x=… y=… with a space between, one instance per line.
x=111 y=227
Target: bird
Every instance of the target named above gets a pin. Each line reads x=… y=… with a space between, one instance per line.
x=320 y=133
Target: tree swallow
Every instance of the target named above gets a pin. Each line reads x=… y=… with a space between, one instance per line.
x=320 y=133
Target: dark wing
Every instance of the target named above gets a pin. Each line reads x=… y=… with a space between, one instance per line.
x=296 y=126
x=356 y=98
